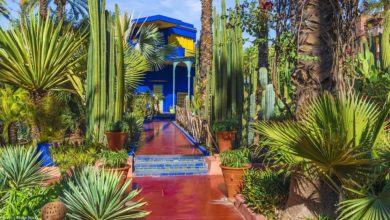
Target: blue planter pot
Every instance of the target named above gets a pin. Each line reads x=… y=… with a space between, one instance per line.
x=44 y=149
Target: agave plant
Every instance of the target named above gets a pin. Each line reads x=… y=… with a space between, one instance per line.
x=93 y=194
x=21 y=167
x=336 y=140
x=38 y=56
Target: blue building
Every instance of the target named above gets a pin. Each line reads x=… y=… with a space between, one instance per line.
x=176 y=79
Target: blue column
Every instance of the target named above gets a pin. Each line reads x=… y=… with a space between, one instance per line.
x=189 y=66
x=174 y=87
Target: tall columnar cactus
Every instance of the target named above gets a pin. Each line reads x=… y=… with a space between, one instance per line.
x=386 y=42
x=228 y=81
x=105 y=88
x=268 y=95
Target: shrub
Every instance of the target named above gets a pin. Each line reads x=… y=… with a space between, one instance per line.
x=25 y=202
x=265 y=191
x=92 y=194
x=114 y=159
x=225 y=125
x=118 y=126
x=135 y=123
x=235 y=158
x=67 y=156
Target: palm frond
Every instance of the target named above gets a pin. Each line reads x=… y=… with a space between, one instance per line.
x=77 y=9
x=3 y=9
x=136 y=67
x=335 y=137
x=36 y=56
x=367 y=205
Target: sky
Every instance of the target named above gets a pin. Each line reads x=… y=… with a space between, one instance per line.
x=186 y=10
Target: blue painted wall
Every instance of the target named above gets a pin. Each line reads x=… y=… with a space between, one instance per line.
x=164 y=77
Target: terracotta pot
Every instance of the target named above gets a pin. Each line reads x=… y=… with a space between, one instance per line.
x=225 y=140
x=116 y=140
x=233 y=179
x=122 y=171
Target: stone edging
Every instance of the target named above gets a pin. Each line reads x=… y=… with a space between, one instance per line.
x=245 y=211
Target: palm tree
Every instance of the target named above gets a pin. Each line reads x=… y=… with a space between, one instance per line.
x=77 y=8
x=35 y=56
x=43 y=4
x=206 y=48
x=3 y=10
x=332 y=147
x=315 y=52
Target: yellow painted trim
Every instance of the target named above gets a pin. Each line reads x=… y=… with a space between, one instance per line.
x=185 y=42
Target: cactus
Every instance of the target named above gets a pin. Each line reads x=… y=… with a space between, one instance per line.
x=228 y=91
x=263 y=77
x=120 y=78
x=385 y=42
x=268 y=95
x=105 y=88
x=269 y=107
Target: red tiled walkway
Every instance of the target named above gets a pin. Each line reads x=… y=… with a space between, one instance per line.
x=163 y=137
x=186 y=198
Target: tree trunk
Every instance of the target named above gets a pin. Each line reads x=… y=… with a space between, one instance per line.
x=60 y=8
x=43 y=8
x=206 y=51
x=262 y=37
x=308 y=198
x=36 y=99
x=13 y=133
x=313 y=73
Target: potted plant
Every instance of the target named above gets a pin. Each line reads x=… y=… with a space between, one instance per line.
x=226 y=132
x=116 y=162
x=233 y=164
x=116 y=135
x=51 y=124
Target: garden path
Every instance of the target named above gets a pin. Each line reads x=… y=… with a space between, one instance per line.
x=199 y=197
x=164 y=138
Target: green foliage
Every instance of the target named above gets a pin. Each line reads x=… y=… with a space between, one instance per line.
x=25 y=202
x=235 y=158
x=38 y=55
x=265 y=191
x=118 y=126
x=385 y=42
x=20 y=178
x=225 y=125
x=142 y=105
x=51 y=120
x=116 y=68
x=367 y=206
x=21 y=167
x=13 y=107
x=135 y=123
x=92 y=194
x=334 y=139
x=228 y=77
x=3 y=10
x=69 y=157
x=113 y=159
